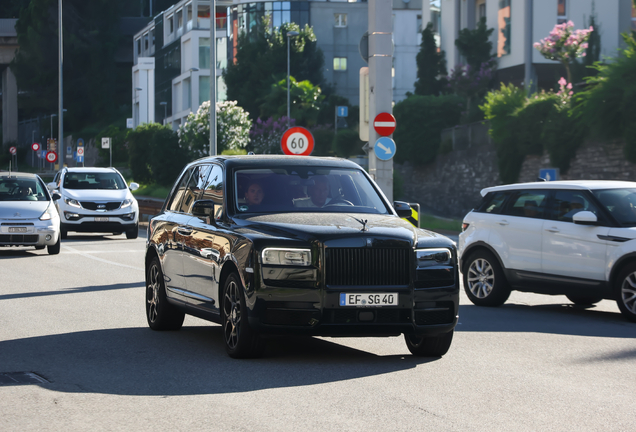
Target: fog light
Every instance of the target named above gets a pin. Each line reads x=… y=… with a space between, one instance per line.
x=48 y=237
x=71 y=216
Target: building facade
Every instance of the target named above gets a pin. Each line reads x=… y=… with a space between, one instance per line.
x=520 y=23
x=177 y=41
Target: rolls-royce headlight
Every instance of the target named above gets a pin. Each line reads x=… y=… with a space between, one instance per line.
x=432 y=257
x=289 y=257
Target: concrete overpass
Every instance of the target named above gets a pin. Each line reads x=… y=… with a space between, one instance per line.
x=8 y=47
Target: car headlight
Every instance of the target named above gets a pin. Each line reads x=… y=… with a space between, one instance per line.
x=432 y=257
x=126 y=203
x=49 y=213
x=72 y=202
x=293 y=257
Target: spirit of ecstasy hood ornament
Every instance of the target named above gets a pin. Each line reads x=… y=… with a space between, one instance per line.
x=363 y=222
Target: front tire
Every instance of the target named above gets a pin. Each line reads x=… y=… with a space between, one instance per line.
x=626 y=292
x=435 y=346
x=55 y=249
x=240 y=340
x=133 y=232
x=484 y=281
x=160 y=314
x=63 y=234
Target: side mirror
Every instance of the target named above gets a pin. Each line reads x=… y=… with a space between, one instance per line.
x=204 y=208
x=585 y=218
x=56 y=196
x=402 y=209
x=51 y=186
x=134 y=186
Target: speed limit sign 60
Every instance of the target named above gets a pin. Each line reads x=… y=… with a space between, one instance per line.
x=51 y=156
x=297 y=141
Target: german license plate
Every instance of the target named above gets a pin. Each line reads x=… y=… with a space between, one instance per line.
x=101 y=219
x=369 y=299
x=17 y=229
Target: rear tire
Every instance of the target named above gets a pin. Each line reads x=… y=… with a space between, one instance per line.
x=160 y=314
x=240 y=340
x=580 y=300
x=484 y=281
x=626 y=292
x=435 y=346
x=132 y=233
x=55 y=249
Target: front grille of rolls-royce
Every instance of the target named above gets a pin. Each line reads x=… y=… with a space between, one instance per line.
x=367 y=266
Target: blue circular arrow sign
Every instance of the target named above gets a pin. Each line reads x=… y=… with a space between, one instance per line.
x=384 y=148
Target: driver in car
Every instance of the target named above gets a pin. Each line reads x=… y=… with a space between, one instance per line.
x=318 y=194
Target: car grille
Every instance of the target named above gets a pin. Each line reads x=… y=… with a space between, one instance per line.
x=18 y=238
x=367 y=266
x=89 y=205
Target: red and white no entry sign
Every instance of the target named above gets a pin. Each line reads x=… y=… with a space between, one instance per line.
x=80 y=151
x=13 y=150
x=51 y=156
x=297 y=141
x=384 y=124
x=35 y=146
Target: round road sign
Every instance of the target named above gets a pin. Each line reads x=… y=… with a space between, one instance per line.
x=35 y=146
x=384 y=148
x=384 y=124
x=80 y=151
x=51 y=156
x=13 y=150
x=297 y=141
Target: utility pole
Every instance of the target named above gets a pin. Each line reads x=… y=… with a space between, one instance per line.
x=380 y=85
x=60 y=116
x=213 y=148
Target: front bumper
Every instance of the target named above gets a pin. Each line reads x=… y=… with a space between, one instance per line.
x=38 y=233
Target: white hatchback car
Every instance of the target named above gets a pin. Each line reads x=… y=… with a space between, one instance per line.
x=96 y=200
x=574 y=238
x=28 y=216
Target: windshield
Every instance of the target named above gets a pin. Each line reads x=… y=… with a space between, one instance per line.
x=91 y=180
x=22 y=189
x=621 y=203
x=306 y=189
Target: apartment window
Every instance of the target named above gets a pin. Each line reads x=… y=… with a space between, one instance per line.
x=341 y=19
x=152 y=37
x=139 y=48
x=481 y=9
x=204 y=11
x=146 y=46
x=179 y=19
x=503 y=37
x=340 y=63
x=170 y=25
x=561 y=12
x=189 y=13
x=419 y=24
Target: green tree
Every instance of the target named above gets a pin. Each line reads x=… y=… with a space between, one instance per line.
x=261 y=60
x=305 y=100
x=431 y=66
x=475 y=45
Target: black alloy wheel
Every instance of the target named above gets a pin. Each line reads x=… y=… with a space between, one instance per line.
x=625 y=292
x=484 y=281
x=434 y=346
x=240 y=340
x=160 y=314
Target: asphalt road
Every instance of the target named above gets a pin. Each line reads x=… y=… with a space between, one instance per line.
x=77 y=320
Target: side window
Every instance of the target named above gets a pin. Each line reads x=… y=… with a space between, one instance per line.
x=215 y=190
x=195 y=186
x=493 y=202
x=568 y=203
x=528 y=203
x=175 y=199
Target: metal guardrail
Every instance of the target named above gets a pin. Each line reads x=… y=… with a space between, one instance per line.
x=148 y=208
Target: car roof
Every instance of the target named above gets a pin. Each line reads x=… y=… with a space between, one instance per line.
x=90 y=169
x=265 y=161
x=563 y=184
x=5 y=174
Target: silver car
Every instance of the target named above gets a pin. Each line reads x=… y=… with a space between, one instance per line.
x=28 y=216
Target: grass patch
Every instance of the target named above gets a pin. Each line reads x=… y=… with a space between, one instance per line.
x=153 y=191
x=434 y=223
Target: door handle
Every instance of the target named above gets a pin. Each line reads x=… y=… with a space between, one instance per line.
x=184 y=231
x=503 y=222
x=553 y=230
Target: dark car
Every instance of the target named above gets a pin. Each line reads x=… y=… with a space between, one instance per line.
x=272 y=245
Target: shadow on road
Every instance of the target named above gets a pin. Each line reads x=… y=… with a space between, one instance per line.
x=74 y=290
x=139 y=361
x=566 y=319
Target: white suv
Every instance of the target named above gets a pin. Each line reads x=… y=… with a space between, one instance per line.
x=576 y=238
x=96 y=200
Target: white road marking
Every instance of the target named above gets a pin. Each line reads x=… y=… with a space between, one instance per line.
x=86 y=254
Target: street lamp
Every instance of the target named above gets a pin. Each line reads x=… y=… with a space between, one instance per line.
x=291 y=33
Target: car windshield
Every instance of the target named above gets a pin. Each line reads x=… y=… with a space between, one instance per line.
x=92 y=180
x=621 y=203
x=22 y=189
x=306 y=189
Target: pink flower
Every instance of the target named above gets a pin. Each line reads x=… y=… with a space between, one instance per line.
x=562 y=81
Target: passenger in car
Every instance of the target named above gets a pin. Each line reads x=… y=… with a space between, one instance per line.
x=530 y=208
x=575 y=206
x=254 y=194
x=318 y=194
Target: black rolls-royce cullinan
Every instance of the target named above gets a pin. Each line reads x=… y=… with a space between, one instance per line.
x=273 y=245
